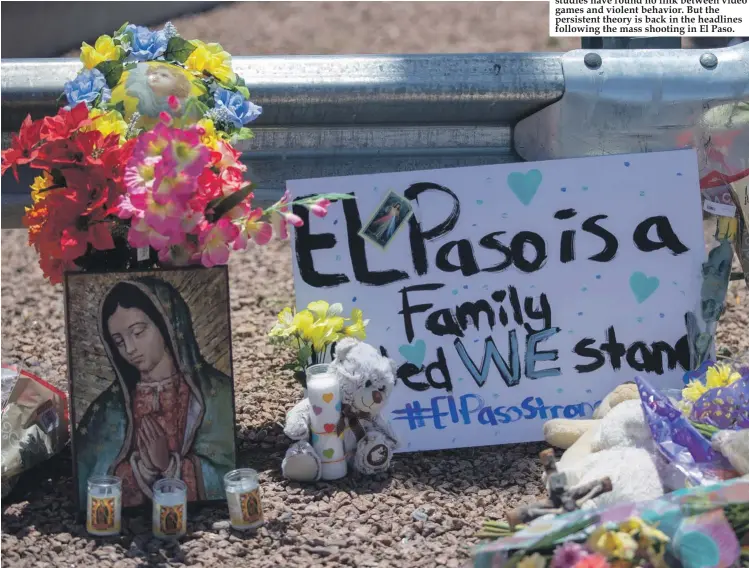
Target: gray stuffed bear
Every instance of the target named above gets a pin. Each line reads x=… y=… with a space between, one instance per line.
x=366 y=378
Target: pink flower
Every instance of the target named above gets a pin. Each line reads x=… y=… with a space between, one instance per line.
x=215 y=240
x=141 y=235
x=279 y=225
x=165 y=219
x=232 y=180
x=228 y=157
x=191 y=219
x=285 y=199
x=320 y=209
x=568 y=555
x=126 y=209
x=189 y=154
x=281 y=216
x=254 y=229
x=173 y=102
x=139 y=175
x=592 y=561
x=293 y=219
x=165 y=117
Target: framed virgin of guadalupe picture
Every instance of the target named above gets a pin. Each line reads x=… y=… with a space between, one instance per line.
x=151 y=384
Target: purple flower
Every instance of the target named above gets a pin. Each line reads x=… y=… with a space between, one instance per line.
x=234 y=108
x=567 y=555
x=145 y=44
x=86 y=87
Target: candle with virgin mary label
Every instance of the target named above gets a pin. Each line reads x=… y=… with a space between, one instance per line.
x=169 y=509
x=324 y=397
x=103 y=515
x=243 y=498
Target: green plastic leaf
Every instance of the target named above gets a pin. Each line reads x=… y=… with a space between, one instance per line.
x=244 y=91
x=230 y=202
x=122 y=29
x=112 y=71
x=179 y=49
x=244 y=133
x=131 y=65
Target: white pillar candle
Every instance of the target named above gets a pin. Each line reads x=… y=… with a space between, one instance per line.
x=104 y=510
x=324 y=396
x=169 y=508
x=243 y=497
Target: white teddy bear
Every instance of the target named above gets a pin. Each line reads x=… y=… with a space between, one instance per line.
x=618 y=445
x=366 y=378
x=623 y=450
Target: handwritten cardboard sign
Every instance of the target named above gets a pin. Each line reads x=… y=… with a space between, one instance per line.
x=511 y=294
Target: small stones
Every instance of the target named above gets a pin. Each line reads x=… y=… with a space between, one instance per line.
x=428 y=508
x=221 y=525
x=64 y=538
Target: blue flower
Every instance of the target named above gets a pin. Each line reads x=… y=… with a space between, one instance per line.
x=86 y=87
x=146 y=45
x=234 y=108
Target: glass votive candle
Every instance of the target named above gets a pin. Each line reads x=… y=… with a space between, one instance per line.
x=169 y=509
x=104 y=511
x=243 y=497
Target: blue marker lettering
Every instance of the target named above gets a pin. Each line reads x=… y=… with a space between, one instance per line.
x=532 y=356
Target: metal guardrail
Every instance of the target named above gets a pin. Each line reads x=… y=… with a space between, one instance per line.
x=344 y=115
x=340 y=115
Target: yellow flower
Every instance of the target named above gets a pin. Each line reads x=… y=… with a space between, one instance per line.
x=693 y=391
x=107 y=123
x=721 y=375
x=535 y=560
x=635 y=526
x=289 y=323
x=209 y=138
x=612 y=544
x=103 y=50
x=211 y=58
x=717 y=376
x=356 y=329
x=321 y=334
x=40 y=183
x=319 y=308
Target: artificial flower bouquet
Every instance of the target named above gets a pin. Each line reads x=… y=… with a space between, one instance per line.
x=313 y=332
x=701 y=526
x=141 y=160
x=684 y=423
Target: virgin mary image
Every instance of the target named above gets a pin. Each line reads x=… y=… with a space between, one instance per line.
x=168 y=414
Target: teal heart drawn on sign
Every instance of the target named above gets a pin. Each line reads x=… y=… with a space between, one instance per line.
x=524 y=186
x=414 y=353
x=643 y=286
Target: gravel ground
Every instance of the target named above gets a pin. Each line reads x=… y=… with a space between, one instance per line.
x=355 y=522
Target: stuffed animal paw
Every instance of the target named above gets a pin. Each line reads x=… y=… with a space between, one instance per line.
x=301 y=463
x=373 y=453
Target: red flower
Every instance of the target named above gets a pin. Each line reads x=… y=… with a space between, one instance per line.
x=22 y=147
x=65 y=122
x=74 y=217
